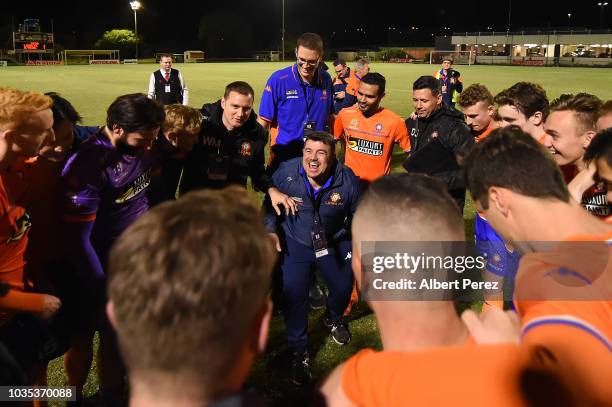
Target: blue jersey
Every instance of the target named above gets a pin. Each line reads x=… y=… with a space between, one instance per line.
x=500 y=261
x=292 y=103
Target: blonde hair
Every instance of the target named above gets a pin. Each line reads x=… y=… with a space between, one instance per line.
x=16 y=106
x=180 y=117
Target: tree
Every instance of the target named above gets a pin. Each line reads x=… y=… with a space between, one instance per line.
x=122 y=39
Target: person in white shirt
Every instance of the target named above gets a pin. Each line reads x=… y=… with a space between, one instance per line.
x=167 y=85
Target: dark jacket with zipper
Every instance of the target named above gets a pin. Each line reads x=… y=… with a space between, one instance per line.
x=241 y=152
x=338 y=204
x=436 y=144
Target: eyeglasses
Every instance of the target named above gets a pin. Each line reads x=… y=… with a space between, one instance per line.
x=303 y=62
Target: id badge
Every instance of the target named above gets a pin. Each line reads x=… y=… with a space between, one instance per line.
x=319 y=243
x=309 y=127
x=167 y=88
x=218 y=167
x=443 y=88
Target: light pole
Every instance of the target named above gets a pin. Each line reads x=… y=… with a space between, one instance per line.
x=601 y=7
x=135 y=6
x=283 y=34
x=569 y=24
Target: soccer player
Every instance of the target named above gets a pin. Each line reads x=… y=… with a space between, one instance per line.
x=167 y=84
x=178 y=135
x=476 y=103
x=362 y=67
x=554 y=276
x=450 y=82
x=369 y=131
x=439 y=138
x=296 y=101
x=400 y=208
x=26 y=122
x=524 y=104
x=107 y=180
x=570 y=128
x=188 y=298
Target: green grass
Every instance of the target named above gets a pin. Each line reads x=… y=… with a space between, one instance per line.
x=92 y=88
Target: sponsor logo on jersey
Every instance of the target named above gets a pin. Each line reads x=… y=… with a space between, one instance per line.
x=292 y=94
x=245 y=149
x=22 y=225
x=268 y=89
x=138 y=185
x=379 y=127
x=335 y=199
x=354 y=123
x=365 y=146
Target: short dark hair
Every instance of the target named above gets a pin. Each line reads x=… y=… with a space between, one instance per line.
x=134 y=112
x=527 y=97
x=63 y=110
x=240 y=87
x=311 y=41
x=512 y=159
x=340 y=61
x=323 y=137
x=398 y=193
x=584 y=105
x=473 y=94
x=165 y=56
x=374 y=78
x=187 y=281
x=427 y=82
x=600 y=147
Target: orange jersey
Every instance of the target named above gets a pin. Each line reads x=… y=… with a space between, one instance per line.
x=369 y=140
x=352 y=84
x=14 y=227
x=492 y=126
x=572 y=315
x=469 y=376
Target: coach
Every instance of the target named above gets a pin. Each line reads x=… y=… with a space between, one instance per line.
x=318 y=234
x=439 y=137
x=297 y=100
x=167 y=85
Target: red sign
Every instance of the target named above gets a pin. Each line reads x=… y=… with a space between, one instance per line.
x=38 y=63
x=34 y=45
x=528 y=62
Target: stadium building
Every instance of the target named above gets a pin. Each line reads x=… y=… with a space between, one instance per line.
x=535 y=48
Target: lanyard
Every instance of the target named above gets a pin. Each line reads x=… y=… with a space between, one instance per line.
x=305 y=92
x=316 y=199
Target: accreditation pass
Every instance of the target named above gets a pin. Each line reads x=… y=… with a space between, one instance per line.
x=25 y=393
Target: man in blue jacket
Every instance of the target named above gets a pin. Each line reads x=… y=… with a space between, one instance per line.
x=318 y=234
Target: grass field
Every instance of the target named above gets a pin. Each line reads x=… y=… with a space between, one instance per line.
x=92 y=88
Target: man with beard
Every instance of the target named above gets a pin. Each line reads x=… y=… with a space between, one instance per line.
x=369 y=131
x=107 y=179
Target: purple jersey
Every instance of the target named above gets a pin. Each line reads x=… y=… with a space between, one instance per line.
x=109 y=185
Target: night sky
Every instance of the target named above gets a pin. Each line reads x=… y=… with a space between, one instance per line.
x=176 y=25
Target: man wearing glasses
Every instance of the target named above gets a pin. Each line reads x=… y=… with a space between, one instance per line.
x=297 y=101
